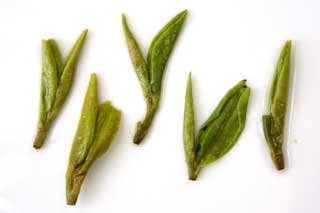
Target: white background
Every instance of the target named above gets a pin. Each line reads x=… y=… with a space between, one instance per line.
x=222 y=43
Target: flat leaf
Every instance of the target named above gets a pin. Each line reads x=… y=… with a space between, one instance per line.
x=218 y=136
x=161 y=48
x=222 y=104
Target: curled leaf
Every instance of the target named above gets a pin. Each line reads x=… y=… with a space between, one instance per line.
x=49 y=78
x=137 y=60
x=86 y=127
x=274 y=120
x=57 y=56
x=188 y=130
x=97 y=128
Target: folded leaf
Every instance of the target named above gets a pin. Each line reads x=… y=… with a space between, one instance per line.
x=282 y=68
x=97 y=128
x=86 y=127
x=68 y=74
x=274 y=121
x=49 y=84
x=49 y=78
x=219 y=133
x=138 y=61
x=57 y=56
x=275 y=147
x=107 y=128
x=188 y=130
x=56 y=83
x=108 y=131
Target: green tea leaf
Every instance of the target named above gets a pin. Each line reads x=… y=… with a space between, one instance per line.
x=86 y=127
x=56 y=82
x=57 y=56
x=150 y=73
x=188 y=130
x=138 y=61
x=109 y=130
x=283 y=66
x=275 y=147
x=221 y=106
x=217 y=137
x=108 y=124
x=97 y=128
x=274 y=121
x=161 y=48
x=49 y=78
x=67 y=75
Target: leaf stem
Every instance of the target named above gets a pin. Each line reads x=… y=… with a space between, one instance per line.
x=143 y=126
x=42 y=133
x=73 y=188
x=193 y=175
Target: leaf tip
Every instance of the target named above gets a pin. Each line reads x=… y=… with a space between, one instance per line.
x=124 y=18
x=93 y=76
x=184 y=12
x=287 y=46
x=289 y=42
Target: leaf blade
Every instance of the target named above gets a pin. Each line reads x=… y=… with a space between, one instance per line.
x=217 y=111
x=223 y=132
x=275 y=119
x=189 y=130
x=283 y=65
x=49 y=77
x=137 y=60
x=67 y=76
x=161 y=48
x=86 y=127
x=57 y=55
x=108 y=124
